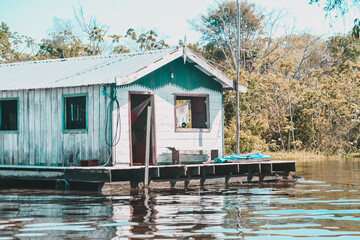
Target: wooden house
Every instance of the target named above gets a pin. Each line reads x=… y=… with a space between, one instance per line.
x=59 y=112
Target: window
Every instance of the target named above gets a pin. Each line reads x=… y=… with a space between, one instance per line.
x=8 y=115
x=191 y=112
x=75 y=113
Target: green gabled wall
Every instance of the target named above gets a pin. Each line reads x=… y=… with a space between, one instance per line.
x=186 y=76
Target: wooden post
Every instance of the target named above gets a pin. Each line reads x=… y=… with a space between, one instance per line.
x=147 y=151
x=153 y=133
x=237 y=78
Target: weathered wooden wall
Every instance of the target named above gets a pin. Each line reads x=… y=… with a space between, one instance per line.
x=187 y=80
x=40 y=139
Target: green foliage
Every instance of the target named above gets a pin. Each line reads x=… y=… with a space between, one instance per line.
x=5 y=44
x=345 y=48
x=118 y=48
x=66 y=44
x=84 y=38
x=218 y=29
x=11 y=43
x=303 y=92
x=146 y=41
x=80 y=37
x=61 y=45
x=356 y=29
x=248 y=140
x=342 y=7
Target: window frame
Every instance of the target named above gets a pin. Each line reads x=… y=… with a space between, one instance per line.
x=17 y=114
x=208 y=128
x=64 y=97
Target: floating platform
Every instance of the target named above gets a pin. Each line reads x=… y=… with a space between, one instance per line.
x=94 y=177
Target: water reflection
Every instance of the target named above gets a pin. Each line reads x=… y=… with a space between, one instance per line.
x=143 y=214
x=323 y=205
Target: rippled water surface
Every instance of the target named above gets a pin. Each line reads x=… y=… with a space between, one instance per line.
x=323 y=205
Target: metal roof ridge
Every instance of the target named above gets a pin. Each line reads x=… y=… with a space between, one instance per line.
x=54 y=60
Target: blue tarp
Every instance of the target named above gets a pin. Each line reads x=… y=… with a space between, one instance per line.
x=257 y=155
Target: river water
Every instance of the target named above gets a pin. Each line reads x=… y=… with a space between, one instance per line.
x=325 y=204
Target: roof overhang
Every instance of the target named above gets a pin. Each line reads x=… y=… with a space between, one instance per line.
x=188 y=56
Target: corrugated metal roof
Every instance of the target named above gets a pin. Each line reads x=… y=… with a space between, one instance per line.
x=73 y=72
x=119 y=69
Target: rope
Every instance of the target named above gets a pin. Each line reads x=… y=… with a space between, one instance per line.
x=67 y=184
x=116 y=139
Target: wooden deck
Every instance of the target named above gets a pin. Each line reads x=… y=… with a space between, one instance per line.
x=96 y=177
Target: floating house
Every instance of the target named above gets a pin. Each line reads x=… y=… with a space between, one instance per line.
x=65 y=111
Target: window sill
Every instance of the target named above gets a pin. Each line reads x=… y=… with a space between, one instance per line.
x=192 y=130
x=9 y=131
x=74 y=131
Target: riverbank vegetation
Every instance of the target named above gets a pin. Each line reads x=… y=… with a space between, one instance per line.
x=303 y=90
x=301 y=155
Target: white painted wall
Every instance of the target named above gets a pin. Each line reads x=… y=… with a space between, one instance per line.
x=166 y=136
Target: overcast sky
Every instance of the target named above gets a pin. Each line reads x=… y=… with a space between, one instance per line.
x=35 y=18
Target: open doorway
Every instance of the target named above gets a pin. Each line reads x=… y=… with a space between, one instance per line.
x=139 y=103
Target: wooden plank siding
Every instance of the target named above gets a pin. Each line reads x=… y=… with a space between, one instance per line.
x=40 y=139
x=194 y=146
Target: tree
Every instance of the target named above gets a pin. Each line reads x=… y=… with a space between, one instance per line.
x=302 y=90
x=218 y=29
x=61 y=45
x=13 y=45
x=344 y=48
x=5 y=42
x=82 y=37
x=146 y=41
x=95 y=32
x=118 y=48
x=341 y=7
x=89 y=37
x=70 y=38
x=221 y=29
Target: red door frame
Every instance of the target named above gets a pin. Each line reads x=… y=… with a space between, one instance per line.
x=130 y=127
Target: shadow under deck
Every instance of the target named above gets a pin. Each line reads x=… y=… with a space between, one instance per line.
x=93 y=178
